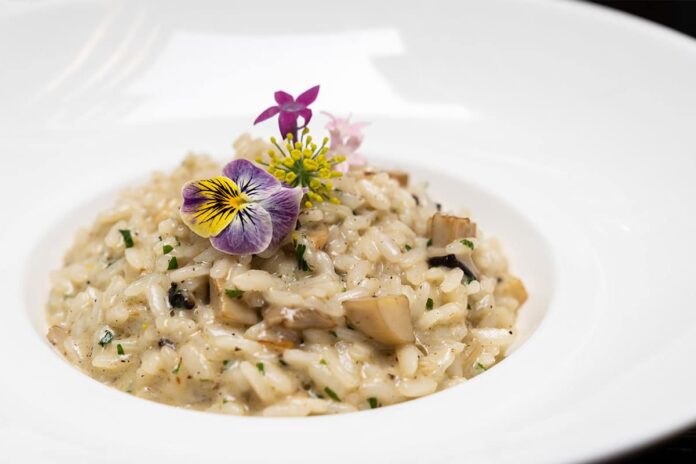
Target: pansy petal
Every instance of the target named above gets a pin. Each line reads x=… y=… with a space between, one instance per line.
x=210 y=205
x=283 y=98
x=308 y=96
x=287 y=123
x=254 y=182
x=250 y=232
x=306 y=115
x=284 y=207
x=267 y=113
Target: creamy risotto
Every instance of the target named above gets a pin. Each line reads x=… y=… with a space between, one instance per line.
x=382 y=298
x=294 y=280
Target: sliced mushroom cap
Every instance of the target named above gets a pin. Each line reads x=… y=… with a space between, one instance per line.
x=318 y=236
x=298 y=318
x=387 y=319
x=446 y=229
x=512 y=286
x=228 y=309
x=279 y=338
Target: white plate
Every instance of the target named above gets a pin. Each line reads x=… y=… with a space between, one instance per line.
x=568 y=129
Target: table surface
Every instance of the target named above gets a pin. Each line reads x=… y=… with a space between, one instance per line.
x=681 y=16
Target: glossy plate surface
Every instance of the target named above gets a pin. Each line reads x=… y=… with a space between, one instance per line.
x=567 y=129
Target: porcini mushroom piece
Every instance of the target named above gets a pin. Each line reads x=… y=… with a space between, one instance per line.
x=446 y=229
x=318 y=236
x=298 y=318
x=387 y=319
x=512 y=286
x=228 y=309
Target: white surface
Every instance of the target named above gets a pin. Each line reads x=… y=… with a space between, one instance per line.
x=571 y=130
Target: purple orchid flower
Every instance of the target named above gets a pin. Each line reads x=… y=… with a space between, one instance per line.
x=290 y=110
x=244 y=211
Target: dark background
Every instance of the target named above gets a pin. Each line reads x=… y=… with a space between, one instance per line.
x=680 y=16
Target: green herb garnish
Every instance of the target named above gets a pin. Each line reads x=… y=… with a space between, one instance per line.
x=480 y=366
x=261 y=368
x=173 y=264
x=468 y=243
x=331 y=394
x=234 y=293
x=106 y=338
x=468 y=306
x=429 y=304
x=372 y=401
x=127 y=237
x=408 y=247
x=299 y=253
x=178 y=367
x=323 y=361
x=225 y=362
x=429 y=242
x=119 y=350
x=167 y=249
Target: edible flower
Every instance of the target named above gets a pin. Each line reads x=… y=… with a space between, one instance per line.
x=302 y=163
x=290 y=110
x=244 y=211
x=346 y=138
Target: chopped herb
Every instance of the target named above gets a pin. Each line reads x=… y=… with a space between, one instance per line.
x=408 y=247
x=234 y=293
x=119 y=350
x=179 y=298
x=429 y=242
x=468 y=306
x=452 y=262
x=372 y=401
x=225 y=401
x=167 y=249
x=323 y=361
x=480 y=366
x=166 y=342
x=468 y=243
x=299 y=253
x=106 y=338
x=429 y=304
x=261 y=368
x=127 y=237
x=331 y=394
x=173 y=264
x=282 y=362
x=225 y=362
x=178 y=367
x=333 y=332
x=178 y=242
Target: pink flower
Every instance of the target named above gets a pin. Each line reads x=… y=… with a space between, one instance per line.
x=346 y=138
x=290 y=110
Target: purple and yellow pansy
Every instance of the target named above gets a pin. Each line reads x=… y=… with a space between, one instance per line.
x=244 y=211
x=248 y=210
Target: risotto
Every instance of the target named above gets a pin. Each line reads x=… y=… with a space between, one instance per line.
x=374 y=298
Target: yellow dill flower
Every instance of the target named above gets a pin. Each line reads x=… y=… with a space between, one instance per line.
x=300 y=162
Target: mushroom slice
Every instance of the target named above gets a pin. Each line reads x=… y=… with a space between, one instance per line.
x=512 y=286
x=318 y=236
x=228 y=309
x=446 y=229
x=387 y=319
x=279 y=338
x=298 y=319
